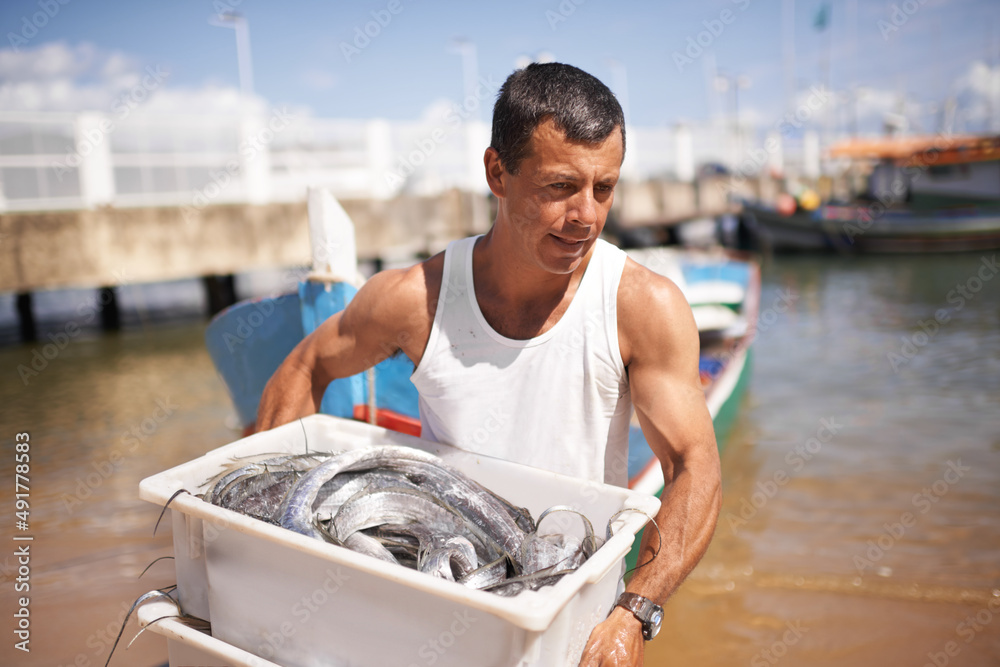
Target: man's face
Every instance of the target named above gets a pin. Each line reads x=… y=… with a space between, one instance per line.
x=559 y=200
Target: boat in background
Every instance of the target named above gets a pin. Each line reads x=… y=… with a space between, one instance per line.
x=924 y=194
x=723 y=288
x=248 y=341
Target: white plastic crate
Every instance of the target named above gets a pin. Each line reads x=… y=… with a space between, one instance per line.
x=301 y=602
x=187 y=647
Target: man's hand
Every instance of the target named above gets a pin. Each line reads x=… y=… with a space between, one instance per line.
x=615 y=641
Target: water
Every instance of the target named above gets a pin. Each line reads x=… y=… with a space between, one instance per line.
x=860 y=522
x=811 y=564
x=105 y=413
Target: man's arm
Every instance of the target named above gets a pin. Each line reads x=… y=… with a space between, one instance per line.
x=660 y=348
x=389 y=313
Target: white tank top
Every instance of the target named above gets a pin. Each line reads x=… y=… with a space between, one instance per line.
x=559 y=401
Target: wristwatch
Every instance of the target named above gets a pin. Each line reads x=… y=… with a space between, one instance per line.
x=648 y=612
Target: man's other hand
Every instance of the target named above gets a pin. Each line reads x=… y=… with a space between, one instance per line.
x=615 y=641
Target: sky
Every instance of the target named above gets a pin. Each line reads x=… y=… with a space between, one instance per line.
x=397 y=59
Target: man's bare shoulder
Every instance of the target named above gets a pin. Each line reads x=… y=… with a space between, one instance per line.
x=400 y=304
x=653 y=315
x=404 y=294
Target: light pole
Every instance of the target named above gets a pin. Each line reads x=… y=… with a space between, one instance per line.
x=255 y=167
x=238 y=23
x=473 y=130
x=620 y=78
x=724 y=82
x=470 y=70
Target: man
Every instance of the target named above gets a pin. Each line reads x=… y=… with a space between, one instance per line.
x=534 y=341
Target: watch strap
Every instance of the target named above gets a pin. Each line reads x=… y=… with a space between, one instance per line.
x=642 y=608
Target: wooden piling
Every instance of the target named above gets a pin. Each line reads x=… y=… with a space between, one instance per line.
x=110 y=315
x=221 y=292
x=26 y=318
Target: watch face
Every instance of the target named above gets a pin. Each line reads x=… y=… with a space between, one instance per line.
x=654 y=623
x=649 y=613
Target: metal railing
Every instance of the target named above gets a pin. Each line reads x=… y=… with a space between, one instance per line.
x=52 y=161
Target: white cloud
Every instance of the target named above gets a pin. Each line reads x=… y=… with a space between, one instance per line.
x=974 y=107
x=978 y=98
x=438 y=111
x=207 y=100
x=61 y=77
x=874 y=103
x=981 y=80
x=47 y=62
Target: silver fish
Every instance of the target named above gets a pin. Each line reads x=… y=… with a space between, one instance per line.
x=369 y=545
x=296 y=511
x=451 y=556
x=406 y=506
x=527 y=582
x=489 y=516
x=486 y=575
x=552 y=552
x=394 y=505
x=341 y=488
x=258 y=488
x=247 y=467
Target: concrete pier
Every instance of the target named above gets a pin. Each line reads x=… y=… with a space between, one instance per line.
x=108 y=246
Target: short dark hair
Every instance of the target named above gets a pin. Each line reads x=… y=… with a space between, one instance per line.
x=581 y=106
